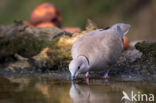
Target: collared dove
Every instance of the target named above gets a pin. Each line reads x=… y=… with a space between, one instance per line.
x=97 y=50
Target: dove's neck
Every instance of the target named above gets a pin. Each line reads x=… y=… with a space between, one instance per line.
x=84 y=59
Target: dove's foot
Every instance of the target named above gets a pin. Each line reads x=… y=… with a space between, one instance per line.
x=87 y=75
x=106 y=76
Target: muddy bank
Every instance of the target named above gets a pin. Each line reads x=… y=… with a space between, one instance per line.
x=46 y=51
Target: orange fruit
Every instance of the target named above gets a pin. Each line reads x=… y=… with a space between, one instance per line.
x=46 y=12
x=125 y=43
x=72 y=29
x=45 y=24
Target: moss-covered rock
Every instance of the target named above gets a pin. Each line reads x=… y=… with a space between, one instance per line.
x=26 y=41
x=147 y=48
x=58 y=54
x=148 y=59
x=29 y=42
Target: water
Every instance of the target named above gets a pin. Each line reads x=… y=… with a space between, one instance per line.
x=47 y=90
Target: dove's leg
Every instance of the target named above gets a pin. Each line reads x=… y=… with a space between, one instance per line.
x=106 y=74
x=87 y=75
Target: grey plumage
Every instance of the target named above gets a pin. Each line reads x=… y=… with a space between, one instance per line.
x=98 y=48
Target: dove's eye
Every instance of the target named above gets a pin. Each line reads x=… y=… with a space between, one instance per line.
x=78 y=67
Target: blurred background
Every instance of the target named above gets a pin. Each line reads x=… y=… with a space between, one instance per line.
x=140 y=14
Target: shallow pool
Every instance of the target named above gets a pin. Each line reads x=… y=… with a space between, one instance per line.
x=47 y=90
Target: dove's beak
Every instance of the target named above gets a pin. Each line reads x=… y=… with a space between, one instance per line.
x=72 y=77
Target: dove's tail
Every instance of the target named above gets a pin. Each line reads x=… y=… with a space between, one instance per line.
x=121 y=29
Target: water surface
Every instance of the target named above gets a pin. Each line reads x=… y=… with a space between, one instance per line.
x=49 y=90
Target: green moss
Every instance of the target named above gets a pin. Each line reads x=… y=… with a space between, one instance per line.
x=149 y=52
x=147 y=48
x=60 y=55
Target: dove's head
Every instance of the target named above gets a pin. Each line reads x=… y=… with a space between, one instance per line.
x=78 y=65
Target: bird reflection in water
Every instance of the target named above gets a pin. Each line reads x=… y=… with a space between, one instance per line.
x=92 y=94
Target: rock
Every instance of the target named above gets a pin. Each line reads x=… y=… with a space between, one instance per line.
x=148 y=48
x=58 y=55
x=148 y=59
x=139 y=62
x=28 y=42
